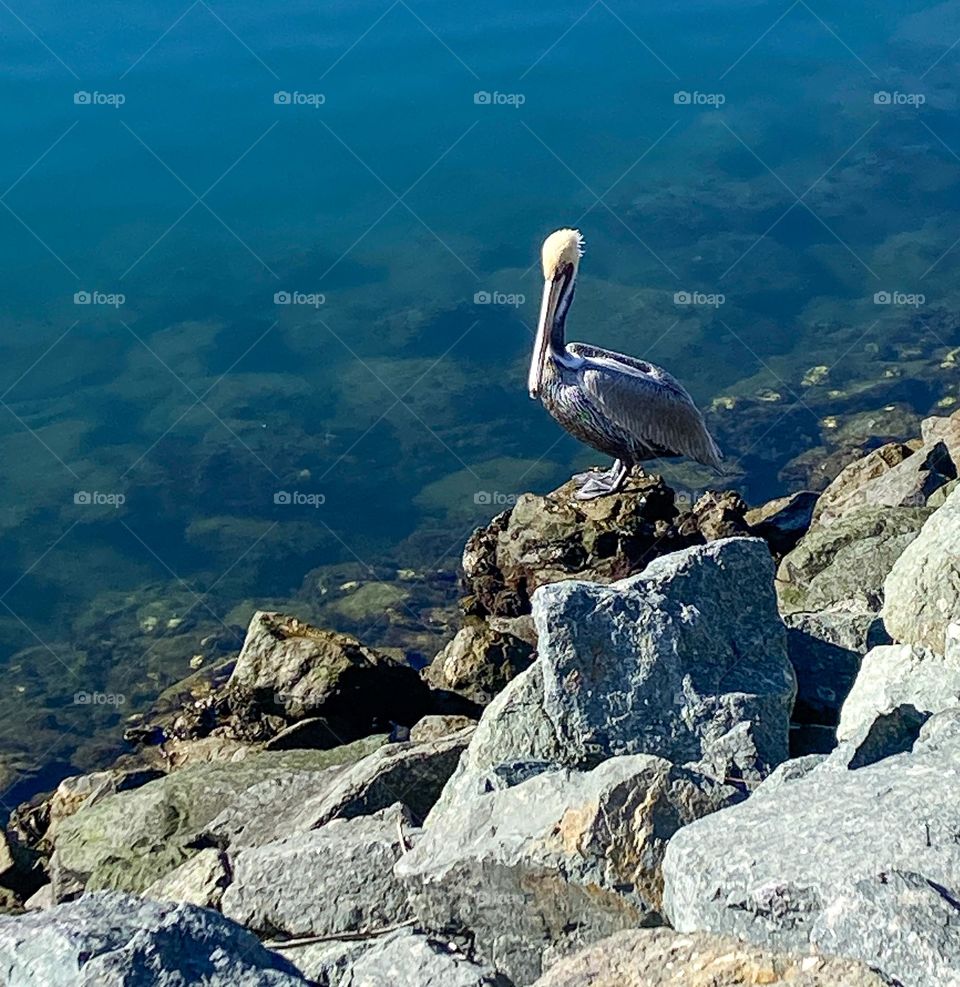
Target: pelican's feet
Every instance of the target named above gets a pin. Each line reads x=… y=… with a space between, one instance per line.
x=598 y=485
x=579 y=479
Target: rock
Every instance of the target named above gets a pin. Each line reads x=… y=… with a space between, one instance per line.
x=913 y=481
x=331 y=880
x=545 y=539
x=699 y=627
x=720 y=515
x=413 y=774
x=769 y=868
x=434 y=727
x=479 y=661
x=892 y=732
x=40 y=899
x=939 y=496
x=897 y=675
x=403 y=958
x=826 y=650
x=201 y=880
x=844 y=491
x=900 y=922
x=130 y=839
x=923 y=588
x=560 y=859
x=294 y=670
x=110 y=939
x=843 y=566
x=945 y=430
x=664 y=958
x=784 y=521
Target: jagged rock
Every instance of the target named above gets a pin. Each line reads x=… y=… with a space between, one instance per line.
x=110 y=939
x=686 y=661
x=664 y=958
x=945 y=430
x=294 y=670
x=130 y=839
x=413 y=774
x=770 y=868
x=898 y=675
x=784 y=521
x=844 y=566
x=554 y=861
x=922 y=591
x=434 y=727
x=900 y=922
x=403 y=958
x=201 y=880
x=719 y=515
x=479 y=661
x=893 y=731
x=331 y=880
x=939 y=496
x=844 y=491
x=544 y=539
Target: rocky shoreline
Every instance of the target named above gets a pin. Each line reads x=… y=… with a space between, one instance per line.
x=713 y=746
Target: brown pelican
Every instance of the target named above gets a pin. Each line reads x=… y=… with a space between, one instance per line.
x=625 y=407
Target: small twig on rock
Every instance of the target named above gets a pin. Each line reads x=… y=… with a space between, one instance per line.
x=337 y=936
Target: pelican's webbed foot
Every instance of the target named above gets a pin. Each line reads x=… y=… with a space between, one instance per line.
x=601 y=484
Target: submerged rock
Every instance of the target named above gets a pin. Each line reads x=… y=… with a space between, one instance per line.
x=664 y=958
x=110 y=939
x=922 y=591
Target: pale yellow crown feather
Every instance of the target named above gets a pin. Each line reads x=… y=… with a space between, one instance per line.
x=561 y=247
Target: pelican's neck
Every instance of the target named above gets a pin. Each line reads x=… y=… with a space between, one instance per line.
x=557 y=346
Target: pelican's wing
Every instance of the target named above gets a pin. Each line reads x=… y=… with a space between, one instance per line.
x=647 y=402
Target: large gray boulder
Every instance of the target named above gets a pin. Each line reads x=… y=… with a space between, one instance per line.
x=546 y=864
x=664 y=958
x=109 y=939
x=771 y=868
x=897 y=675
x=331 y=880
x=686 y=661
x=922 y=591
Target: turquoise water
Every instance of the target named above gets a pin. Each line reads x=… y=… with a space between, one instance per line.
x=269 y=278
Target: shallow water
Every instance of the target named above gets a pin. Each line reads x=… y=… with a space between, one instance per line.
x=768 y=194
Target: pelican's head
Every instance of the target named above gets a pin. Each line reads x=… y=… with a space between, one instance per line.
x=561 y=248
x=560 y=256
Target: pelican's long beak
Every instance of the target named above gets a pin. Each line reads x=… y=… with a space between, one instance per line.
x=548 y=312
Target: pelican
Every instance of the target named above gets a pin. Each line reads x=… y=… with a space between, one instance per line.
x=624 y=407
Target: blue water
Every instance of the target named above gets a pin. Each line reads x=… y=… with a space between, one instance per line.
x=781 y=164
